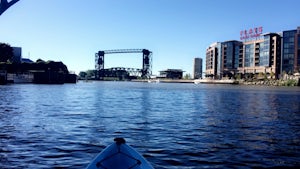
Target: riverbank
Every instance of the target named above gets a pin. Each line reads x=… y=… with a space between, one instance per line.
x=212 y=81
x=37 y=78
x=164 y=80
x=290 y=82
x=265 y=82
x=285 y=80
x=39 y=72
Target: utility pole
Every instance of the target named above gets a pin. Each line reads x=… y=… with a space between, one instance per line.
x=4 y=5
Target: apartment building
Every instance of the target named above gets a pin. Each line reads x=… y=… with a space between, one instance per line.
x=291 y=51
x=262 y=55
x=212 y=56
x=269 y=53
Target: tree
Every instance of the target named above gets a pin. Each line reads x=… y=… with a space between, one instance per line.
x=238 y=76
x=90 y=74
x=40 y=61
x=187 y=76
x=6 y=52
x=82 y=75
x=272 y=74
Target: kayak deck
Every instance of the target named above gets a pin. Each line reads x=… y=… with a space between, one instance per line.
x=119 y=155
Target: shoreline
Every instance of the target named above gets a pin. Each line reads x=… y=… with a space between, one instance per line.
x=288 y=82
x=164 y=81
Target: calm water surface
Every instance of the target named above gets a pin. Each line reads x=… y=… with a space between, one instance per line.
x=172 y=125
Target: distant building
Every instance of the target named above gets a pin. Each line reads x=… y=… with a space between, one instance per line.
x=212 y=60
x=291 y=51
x=231 y=57
x=17 y=54
x=223 y=58
x=197 y=68
x=262 y=55
x=171 y=74
x=269 y=53
x=26 y=60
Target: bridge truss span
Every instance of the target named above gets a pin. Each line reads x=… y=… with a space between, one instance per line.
x=145 y=71
x=115 y=51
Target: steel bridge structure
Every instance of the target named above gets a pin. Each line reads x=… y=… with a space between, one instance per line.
x=144 y=72
x=4 y=5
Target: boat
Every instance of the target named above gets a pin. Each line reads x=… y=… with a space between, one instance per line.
x=213 y=81
x=119 y=155
x=153 y=81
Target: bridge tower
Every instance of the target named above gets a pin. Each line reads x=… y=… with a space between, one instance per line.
x=147 y=66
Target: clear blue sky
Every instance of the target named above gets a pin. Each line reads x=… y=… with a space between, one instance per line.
x=176 y=31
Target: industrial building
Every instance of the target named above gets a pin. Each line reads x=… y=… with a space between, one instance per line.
x=269 y=53
x=171 y=74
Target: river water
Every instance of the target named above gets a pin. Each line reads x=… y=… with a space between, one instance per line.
x=172 y=125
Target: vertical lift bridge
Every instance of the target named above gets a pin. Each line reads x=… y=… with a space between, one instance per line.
x=146 y=70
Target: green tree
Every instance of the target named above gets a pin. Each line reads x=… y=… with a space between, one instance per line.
x=82 y=75
x=238 y=76
x=261 y=74
x=40 y=61
x=187 y=76
x=6 y=52
x=272 y=74
x=284 y=72
x=90 y=74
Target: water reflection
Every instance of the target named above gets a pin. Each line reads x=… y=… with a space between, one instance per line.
x=173 y=125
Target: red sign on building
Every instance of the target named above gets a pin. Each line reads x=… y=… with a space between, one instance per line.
x=251 y=33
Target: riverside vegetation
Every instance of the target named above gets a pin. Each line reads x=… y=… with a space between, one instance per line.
x=264 y=79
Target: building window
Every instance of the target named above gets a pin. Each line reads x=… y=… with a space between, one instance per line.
x=249 y=55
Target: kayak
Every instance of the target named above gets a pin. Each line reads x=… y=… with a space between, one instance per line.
x=119 y=155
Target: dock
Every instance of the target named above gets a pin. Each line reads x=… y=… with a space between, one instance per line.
x=212 y=81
